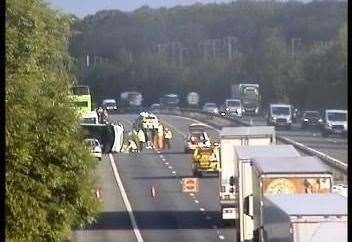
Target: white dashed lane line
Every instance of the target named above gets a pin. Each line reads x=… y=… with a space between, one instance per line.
x=191 y=194
x=173 y=172
x=221 y=237
x=196 y=201
x=202 y=209
x=170 y=167
x=166 y=163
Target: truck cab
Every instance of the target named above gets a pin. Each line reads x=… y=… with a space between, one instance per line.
x=280 y=115
x=334 y=122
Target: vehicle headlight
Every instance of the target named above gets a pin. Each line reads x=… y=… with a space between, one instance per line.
x=305 y=120
x=274 y=118
x=227 y=109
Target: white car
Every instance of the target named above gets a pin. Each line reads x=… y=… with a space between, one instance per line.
x=210 y=108
x=95 y=147
x=149 y=121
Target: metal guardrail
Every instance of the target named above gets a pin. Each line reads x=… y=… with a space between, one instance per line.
x=328 y=159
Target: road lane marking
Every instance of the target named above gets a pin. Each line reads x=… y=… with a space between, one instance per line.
x=125 y=200
x=191 y=194
x=170 y=167
x=173 y=172
x=196 y=201
x=166 y=163
x=202 y=209
x=208 y=217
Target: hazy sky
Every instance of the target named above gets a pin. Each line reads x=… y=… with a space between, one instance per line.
x=83 y=7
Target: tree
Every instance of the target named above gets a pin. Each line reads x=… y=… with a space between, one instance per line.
x=49 y=172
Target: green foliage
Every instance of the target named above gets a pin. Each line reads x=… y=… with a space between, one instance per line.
x=49 y=173
x=264 y=31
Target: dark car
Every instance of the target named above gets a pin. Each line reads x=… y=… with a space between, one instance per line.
x=311 y=119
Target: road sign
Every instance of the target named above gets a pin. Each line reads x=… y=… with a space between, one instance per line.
x=190 y=184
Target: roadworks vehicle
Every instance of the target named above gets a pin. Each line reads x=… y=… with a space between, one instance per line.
x=304 y=218
x=206 y=160
x=196 y=136
x=285 y=175
x=229 y=138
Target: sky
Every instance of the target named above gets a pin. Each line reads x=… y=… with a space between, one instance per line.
x=81 y=8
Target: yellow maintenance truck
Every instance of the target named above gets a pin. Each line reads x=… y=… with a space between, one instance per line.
x=206 y=160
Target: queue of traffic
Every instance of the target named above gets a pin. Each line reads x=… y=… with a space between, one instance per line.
x=269 y=191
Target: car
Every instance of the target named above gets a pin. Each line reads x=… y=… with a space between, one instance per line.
x=109 y=104
x=334 y=122
x=210 y=108
x=155 y=108
x=95 y=147
x=233 y=107
x=311 y=118
x=197 y=137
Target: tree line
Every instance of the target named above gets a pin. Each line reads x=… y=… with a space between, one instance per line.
x=50 y=179
x=296 y=51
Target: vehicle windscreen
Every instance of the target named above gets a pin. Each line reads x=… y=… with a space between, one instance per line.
x=280 y=110
x=210 y=105
x=311 y=115
x=337 y=116
x=233 y=103
x=80 y=90
x=109 y=104
x=251 y=92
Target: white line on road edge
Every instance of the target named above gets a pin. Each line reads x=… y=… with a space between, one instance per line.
x=125 y=200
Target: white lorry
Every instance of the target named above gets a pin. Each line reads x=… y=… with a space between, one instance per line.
x=280 y=115
x=289 y=175
x=230 y=137
x=243 y=158
x=304 y=218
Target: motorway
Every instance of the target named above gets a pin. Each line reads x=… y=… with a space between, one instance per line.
x=169 y=216
x=333 y=146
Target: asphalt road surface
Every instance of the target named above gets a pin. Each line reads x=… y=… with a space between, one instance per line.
x=170 y=215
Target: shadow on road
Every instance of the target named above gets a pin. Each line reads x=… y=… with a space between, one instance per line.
x=155 y=220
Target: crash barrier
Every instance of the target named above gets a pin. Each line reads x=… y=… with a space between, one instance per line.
x=109 y=135
x=326 y=158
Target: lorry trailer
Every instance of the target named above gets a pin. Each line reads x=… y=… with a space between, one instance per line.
x=289 y=175
x=304 y=218
x=230 y=137
x=243 y=158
